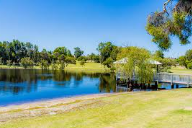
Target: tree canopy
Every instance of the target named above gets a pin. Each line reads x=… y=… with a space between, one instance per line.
x=108 y=53
x=78 y=52
x=174 y=20
x=137 y=63
x=186 y=60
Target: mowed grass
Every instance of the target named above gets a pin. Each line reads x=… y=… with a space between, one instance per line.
x=87 y=67
x=181 y=70
x=158 y=109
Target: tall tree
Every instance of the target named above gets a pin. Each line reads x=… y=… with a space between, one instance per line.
x=107 y=50
x=174 y=20
x=78 y=52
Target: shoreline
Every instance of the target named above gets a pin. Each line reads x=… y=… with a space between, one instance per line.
x=50 y=106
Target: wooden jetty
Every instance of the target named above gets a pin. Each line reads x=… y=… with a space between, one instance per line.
x=173 y=79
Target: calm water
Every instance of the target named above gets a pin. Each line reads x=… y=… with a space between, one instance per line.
x=21 y=86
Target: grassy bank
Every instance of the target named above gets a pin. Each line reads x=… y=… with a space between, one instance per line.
x=162 y=109
x=181 y=70
x=88 y=67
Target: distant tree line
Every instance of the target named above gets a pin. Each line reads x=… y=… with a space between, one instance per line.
x=26 y=54
x=186 y=60
x=16 y=53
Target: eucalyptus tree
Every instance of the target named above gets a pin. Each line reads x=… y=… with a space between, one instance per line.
x=174 y=20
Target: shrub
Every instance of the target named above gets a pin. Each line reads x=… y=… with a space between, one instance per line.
x=82 y=63
x=26 y=62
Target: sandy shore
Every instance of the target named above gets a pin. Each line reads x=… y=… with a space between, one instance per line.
x=48 y=107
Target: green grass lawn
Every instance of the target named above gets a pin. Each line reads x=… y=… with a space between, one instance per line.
x=160 y=109
x=88 y=67
x=181 y=70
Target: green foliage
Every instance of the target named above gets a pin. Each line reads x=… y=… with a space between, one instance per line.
x=188 y=54
x=137 y=63
x=44 y=64
x=93 y=57
x=113 y=69
x=159 y=54
x=9 y=63
x=189 y=65
x=182 y=61
x=186 y=60
x=62 y=65
x=108 y=62
x=168 y=62
x=26 y=62
x=107 y=50
x=54 y=66
x=78 y=52
x=82 y=58
x=60 y=51
x=82 y=63
x=1 y=61
x=175 y=22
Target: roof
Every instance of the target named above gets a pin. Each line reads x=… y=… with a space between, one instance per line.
x=124 y=60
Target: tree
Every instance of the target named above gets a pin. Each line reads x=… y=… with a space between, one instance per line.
x=137 y=64
x=182 y=61
x=82 y=58
x=70 y=60
x=159 y=54
x=82 y=63
x=1 y=61
x=9 y=63
x=107 y=50
x=108 y=62
x=44 y=64
x=78 y=52
x=174 y=20
x=186 y=60
x=188 y=55
x=26 y=62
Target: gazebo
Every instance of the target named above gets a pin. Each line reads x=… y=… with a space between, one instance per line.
x=153 y=62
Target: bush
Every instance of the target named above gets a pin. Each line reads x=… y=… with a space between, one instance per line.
x=189 y=65
x=82 y=58
x=26 y=62
x=82 y=63
x=9 y=63
x=44 y=64
x=108 y=62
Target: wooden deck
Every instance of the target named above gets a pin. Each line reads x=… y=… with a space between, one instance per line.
x=168 y=78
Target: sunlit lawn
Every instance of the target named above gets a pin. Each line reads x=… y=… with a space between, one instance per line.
x=181 y=70
x=88 y=67
x=161 y=109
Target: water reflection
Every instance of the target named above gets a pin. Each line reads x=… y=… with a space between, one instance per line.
x=18 y=85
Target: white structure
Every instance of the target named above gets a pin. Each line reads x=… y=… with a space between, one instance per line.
x=124 y=60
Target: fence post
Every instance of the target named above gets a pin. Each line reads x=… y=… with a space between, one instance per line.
x=188 y=81
x=171 y=79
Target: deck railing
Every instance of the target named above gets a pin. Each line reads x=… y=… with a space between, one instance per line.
x=174 y=78
x=167 y=77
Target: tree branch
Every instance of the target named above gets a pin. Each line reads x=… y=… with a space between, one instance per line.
x=165 y=6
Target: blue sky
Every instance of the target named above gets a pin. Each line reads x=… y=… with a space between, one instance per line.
x=82 y=23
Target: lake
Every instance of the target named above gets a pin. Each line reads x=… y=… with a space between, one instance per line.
x=20 y=86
